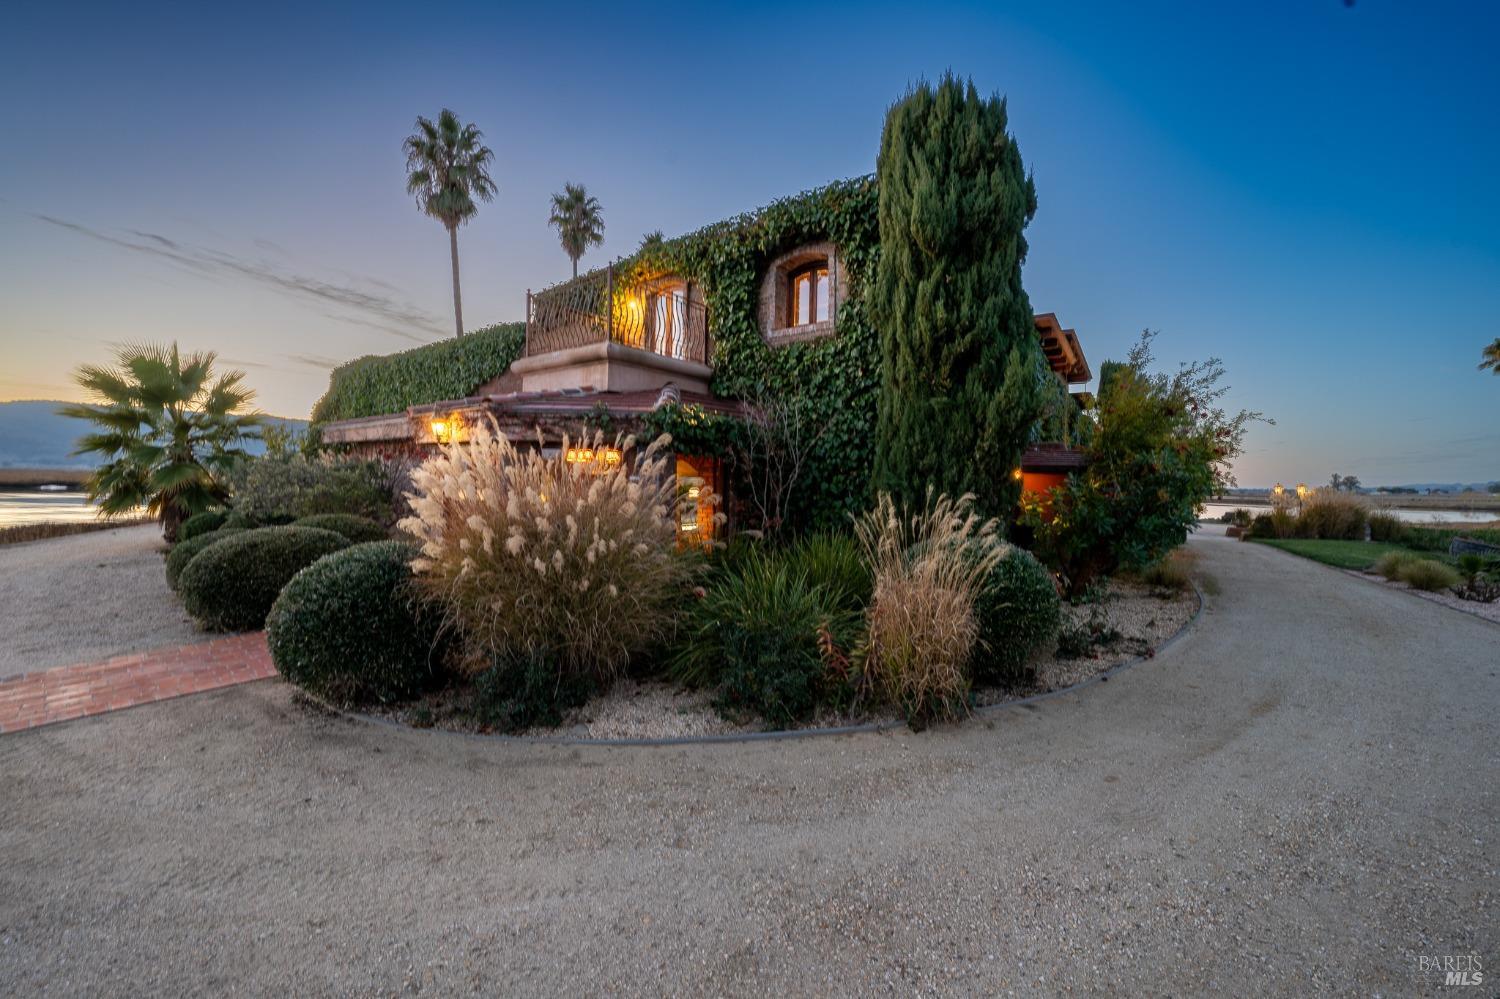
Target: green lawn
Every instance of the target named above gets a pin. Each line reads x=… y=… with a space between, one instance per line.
x=1343 y=554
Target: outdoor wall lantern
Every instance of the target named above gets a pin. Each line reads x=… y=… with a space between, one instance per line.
x=1016 y=474
x=445 y=430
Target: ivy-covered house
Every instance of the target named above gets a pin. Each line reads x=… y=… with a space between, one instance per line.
x=748 y=341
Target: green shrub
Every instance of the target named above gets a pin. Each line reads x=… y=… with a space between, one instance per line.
x=351 y=628
x=1018 y=613
x=202 y=523
x=1385 y=526
x=231 y=585
x=832 y=560
x=281 y=490
x=1391 y=563
x=760 y=634
x=1239 y=517
x=1262 y=526
x=357 y=529
x=1427 y=574
x=522 y=689
x=448 y=369
x=1160 y=448
x=184 y=551
x=240 y=519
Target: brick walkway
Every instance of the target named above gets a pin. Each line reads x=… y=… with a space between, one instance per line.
x=65 y=692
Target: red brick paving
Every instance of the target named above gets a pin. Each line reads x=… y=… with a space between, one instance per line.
x=84 y=689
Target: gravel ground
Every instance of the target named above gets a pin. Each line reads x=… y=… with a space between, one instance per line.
x=85 y=597
x=1297 y=798
x=656 y=709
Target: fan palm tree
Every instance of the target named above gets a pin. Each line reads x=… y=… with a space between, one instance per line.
x=168 y=430
x=579 y=221
x=1491 y=355
x=447 y=167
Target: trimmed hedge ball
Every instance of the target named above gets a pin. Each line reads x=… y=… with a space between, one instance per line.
x=352 y=526
x=1018 y=612
x=201 y=523
x=351 y=627
x=231 y=585
x=185 y=551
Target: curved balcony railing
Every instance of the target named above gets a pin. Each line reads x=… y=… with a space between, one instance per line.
x=660 y=316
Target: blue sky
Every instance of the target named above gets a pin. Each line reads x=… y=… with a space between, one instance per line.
x=1304 y=189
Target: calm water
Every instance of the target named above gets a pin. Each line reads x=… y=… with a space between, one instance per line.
x=32 y=506
x=1213 y=511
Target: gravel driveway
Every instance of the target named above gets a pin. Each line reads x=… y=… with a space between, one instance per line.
x=1299 y=797
x=85 y=597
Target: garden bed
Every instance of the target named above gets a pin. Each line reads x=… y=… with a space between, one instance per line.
x=1489 y=611
x=1144 y=616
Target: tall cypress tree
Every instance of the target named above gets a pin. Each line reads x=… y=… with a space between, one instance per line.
x=960 y=386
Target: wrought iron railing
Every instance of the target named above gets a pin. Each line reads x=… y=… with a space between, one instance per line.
x=662 y=316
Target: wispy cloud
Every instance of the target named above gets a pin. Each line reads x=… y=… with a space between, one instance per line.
x=366 y=308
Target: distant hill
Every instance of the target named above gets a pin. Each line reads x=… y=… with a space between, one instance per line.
x=32 y=435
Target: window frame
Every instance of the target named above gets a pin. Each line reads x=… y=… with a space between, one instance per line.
x=810 y=270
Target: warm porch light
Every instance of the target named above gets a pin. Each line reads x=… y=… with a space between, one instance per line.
x=1016 y=474
x=443 y=429
x=588 y=455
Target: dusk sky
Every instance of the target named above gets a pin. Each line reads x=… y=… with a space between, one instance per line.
x=1305 y=189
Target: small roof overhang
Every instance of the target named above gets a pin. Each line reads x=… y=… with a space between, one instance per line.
x=518 y=414
x=1061 y=347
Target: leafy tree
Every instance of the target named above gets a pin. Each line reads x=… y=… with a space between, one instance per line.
x=1351 y=483
x=447 y=167
x=961 y=385
x=1161 y=448
x=1491 y=355
x=169 y=432
x=579 y=221
x=1336 y=482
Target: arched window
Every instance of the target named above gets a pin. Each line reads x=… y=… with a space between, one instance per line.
x=801 y=293
x=808 y=298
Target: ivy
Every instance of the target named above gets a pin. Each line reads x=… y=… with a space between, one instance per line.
x=448 y=369
x=837 y=378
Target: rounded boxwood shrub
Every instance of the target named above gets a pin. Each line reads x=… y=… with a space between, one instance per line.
x=184 y=551
x=351 y=628
x=352 y=526
x=238 y=518
x=231 y=584
x=201 y=523
x=1018 y=612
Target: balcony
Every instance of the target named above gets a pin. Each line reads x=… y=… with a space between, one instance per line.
x=597 y=332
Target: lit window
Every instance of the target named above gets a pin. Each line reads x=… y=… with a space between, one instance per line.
x=669 y=308
x=808 y=301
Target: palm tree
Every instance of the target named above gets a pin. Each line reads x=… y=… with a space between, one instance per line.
x=1491 y=355
x=579 y=221
x=447 y=167
x=169 y=432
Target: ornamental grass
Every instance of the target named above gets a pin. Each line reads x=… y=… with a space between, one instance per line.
x=929 y=567
x=528 y=554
